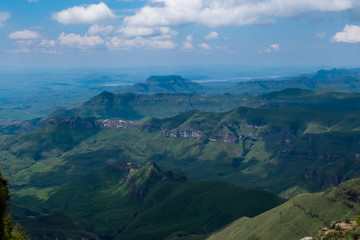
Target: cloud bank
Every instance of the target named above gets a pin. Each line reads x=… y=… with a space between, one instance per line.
x=84 y=14
x=216 y=13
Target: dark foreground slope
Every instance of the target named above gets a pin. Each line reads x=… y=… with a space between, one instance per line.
x=301 y=216
x=4 y=197
x=129 y=201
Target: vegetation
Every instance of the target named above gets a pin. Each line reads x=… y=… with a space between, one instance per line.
x=8 y=230
x=128 y=201
x=75 y=177
x=301 y=216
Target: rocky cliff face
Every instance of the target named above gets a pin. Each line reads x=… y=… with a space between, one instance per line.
x=92 y=123
x=321 y=178
x=116 y=123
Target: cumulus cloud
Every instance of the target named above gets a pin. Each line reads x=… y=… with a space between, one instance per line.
x=211 y=35
x=350 y=34
x=166 y=13
x=205 y=46
x=188 y=45
x=3 y=17
x=25 y=34
x=320 y=35
x=216 y=13
x=77 y=41
x=102 y=30
x=84 y=14
x=117 y=43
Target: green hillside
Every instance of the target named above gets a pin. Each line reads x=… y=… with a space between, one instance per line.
x=130 y=201
x=286 y=151
x=302 y=216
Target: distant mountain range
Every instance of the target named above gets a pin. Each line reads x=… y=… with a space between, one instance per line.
x=337 y=79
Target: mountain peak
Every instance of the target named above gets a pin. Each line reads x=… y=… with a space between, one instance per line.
x=166 y=84
x=169 y=78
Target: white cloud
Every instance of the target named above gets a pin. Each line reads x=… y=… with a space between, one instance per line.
x=3 y=17
x=188 y=45
x=19 y=50
x=47 y=43
x=215 y=13
x=30 y=1
x=211 y=35
x=320 y=35
x=350 y=34
x=84 y=14
x=139 y=42
x=205 y=46
x=275 y=47
x=99 y=29
x=135 y=31
x=25 y=34
x=272 y=48
x=83 y=42
x=166 y=13
x=47 y=51
x=24 y=43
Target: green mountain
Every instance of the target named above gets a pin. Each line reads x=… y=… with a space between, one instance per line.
x=166 y=84
x=285 y=151
x=130 y=106
x=131 y=201
x=301 y=216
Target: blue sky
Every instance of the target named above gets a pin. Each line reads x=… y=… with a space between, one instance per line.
x=125 y=33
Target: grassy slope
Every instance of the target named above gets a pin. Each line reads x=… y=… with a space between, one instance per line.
x=302 y=216
x=133 y=203
x=195 y=208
